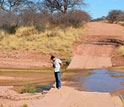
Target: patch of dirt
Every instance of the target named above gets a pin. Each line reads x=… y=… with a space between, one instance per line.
x=68 y=97
x=14 y=78
x=24 y=59
x=97 y=47
x=117 y=92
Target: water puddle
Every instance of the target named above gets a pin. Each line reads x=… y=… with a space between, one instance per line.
x=100 y=80
x=103 y=81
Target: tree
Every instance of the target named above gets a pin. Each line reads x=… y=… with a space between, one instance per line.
x=71 y=18
x=62 y=5
x=121 y=17
x=115 y=15
x=10 y=5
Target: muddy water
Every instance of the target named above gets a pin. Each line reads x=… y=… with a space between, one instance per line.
x=101 y=80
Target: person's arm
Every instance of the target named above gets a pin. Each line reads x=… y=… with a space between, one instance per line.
x=53 y=66
x=60 y=62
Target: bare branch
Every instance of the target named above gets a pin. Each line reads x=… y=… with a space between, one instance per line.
x=62 y=5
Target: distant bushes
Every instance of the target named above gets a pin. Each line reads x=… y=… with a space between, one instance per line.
x=115 y=16
x=72 y=18
x=41 y=30
x=10 y=22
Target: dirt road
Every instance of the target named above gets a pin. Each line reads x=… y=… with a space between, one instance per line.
x=96 y=46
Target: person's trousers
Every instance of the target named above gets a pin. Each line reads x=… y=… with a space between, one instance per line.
x=58 y=79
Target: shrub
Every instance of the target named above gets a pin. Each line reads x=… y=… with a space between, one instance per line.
x=121 y=23
x=25 y=105
x=115 y=15
x=121 y=50
x=26 y=31
x=68 y=62
x=72 y=18
x=10 y=42
x=57 y=40
x=9 y=28
x=2 y=34
x=29 y=89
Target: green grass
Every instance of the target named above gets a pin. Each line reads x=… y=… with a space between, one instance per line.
x=28 y=88
x=25 y=105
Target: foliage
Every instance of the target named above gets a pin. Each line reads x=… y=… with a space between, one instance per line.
x=103 y=18
x=16 y=13
x=29 y=89
x=121 y=50
x=62 y=5
x=25 y=105
x=72 y=18
x=26 y=31
x=68 y=62
x=115 y=15
x=9 y=28
x=121 y=23
x=56 y=40
x=2 y=34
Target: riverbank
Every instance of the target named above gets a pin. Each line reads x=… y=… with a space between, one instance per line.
x=67 y=97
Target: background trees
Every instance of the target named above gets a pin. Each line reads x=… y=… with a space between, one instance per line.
x=115 y=15
x=15 y=13
x=62 y=5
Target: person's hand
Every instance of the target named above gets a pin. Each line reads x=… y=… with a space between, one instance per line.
x=53 y=66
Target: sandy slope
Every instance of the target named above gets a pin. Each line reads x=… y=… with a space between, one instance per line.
x=67 y=97
x=24 y=59
x=97 y=30
x=89 y=55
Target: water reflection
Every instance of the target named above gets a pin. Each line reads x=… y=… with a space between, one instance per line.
x=100 y=80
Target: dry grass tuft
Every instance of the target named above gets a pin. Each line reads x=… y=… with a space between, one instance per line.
x=57 y=40
x=26 y=31
x=121 y=50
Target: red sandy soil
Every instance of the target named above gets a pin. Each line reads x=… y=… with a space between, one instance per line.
x=64 y=97
x=24 y=59
x=94 y=32
x=98 y=31
x=89 y=55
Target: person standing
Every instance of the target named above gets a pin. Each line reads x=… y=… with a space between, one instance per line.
x=57 y=63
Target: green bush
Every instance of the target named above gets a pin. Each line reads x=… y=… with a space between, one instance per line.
x=28 y=89
x=9 y=28
x=68 y=62
x=25 y=105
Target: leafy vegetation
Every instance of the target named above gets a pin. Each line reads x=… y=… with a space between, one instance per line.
x=25 y=105
x=29 y=89
x=115 y=16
